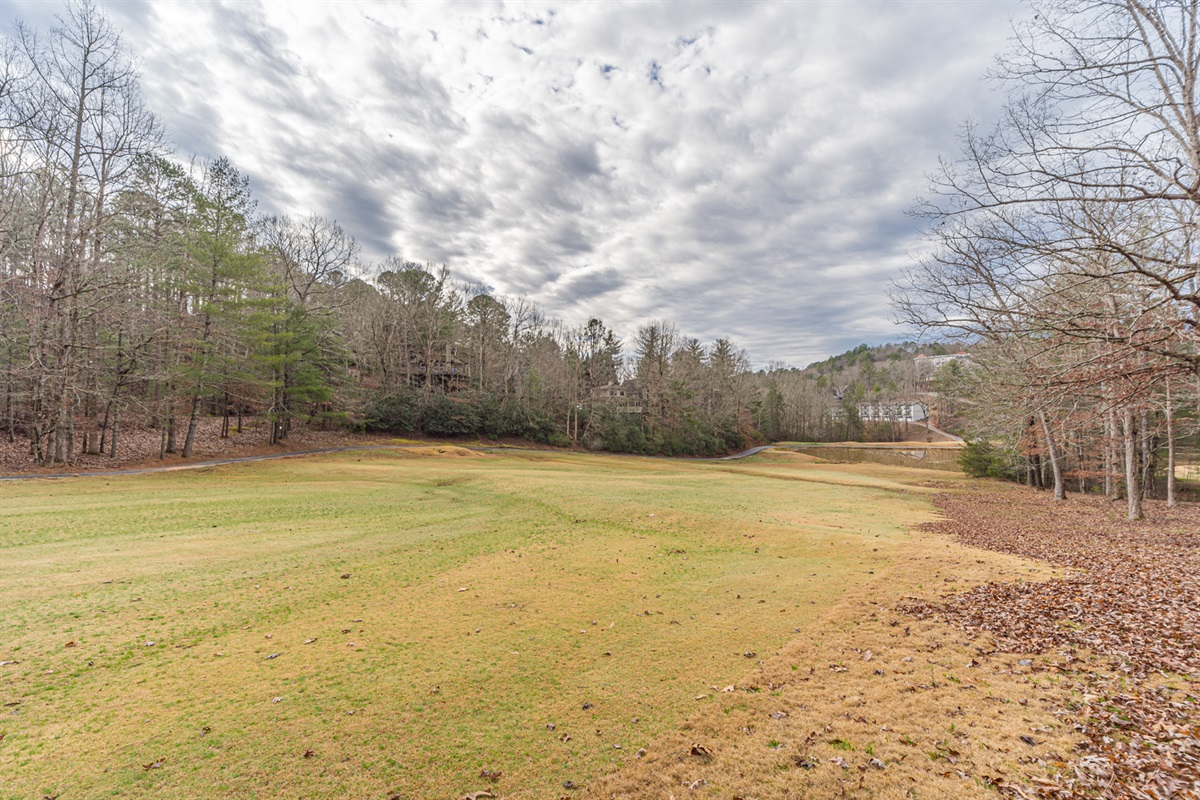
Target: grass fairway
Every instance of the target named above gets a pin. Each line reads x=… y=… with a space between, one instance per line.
x=195 y=634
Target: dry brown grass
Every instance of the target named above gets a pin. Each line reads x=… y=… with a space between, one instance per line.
x=559 y=555
x=871 y=703
x=439 y=450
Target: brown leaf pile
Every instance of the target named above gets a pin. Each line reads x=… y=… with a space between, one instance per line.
x=1133 y=596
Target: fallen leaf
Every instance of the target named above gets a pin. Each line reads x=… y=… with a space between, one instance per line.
x=1127 y=596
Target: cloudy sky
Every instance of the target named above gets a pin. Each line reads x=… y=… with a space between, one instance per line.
x=740 y=169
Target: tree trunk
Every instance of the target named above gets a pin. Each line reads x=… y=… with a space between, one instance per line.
x=116 y=430
x=1060 y=488
x=1172 y=500
x=103 y=433
x=1147 y=451
x=193 y=422
x=1111 y=488
x=1133 y=492
x=1079 y=454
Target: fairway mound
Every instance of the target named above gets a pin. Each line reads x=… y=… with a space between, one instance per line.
x=442 y=451
x=411 y=452
x=1132 y=597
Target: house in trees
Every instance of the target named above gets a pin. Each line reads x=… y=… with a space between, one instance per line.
x=624 y=397
x=445 y=370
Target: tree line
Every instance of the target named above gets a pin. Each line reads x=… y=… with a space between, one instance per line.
x=142 y=290
x=1065 y=248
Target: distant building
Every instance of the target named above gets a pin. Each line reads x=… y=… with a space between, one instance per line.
x=886 y=411
x=624 y=397
x=893 y=412
x=446 y=370
x=928 y=365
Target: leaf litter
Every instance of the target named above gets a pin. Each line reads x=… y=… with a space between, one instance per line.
x=1131 y=595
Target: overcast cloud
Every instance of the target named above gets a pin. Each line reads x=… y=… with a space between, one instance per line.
x=739 y=169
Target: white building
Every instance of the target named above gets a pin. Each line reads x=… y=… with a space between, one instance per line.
x=928 y=365
x=893 y=412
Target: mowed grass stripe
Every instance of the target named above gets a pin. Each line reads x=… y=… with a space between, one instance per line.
x=675 y=569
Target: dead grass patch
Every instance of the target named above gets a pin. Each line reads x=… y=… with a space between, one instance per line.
x=871 y=703
x=485 y=598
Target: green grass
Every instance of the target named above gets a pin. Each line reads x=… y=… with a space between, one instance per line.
x=630 y=585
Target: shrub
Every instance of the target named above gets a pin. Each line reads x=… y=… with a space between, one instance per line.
x=395 y=412
x=982 y=459
x=447 y=416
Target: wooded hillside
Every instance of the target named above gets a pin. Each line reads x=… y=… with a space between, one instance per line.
x=141 y=288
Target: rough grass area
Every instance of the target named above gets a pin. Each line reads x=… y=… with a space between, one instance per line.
x=483 y=597
x=424 y=624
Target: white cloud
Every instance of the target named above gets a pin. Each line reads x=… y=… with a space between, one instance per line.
x=740 y=169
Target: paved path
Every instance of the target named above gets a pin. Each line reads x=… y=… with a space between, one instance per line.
x=949 y=436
